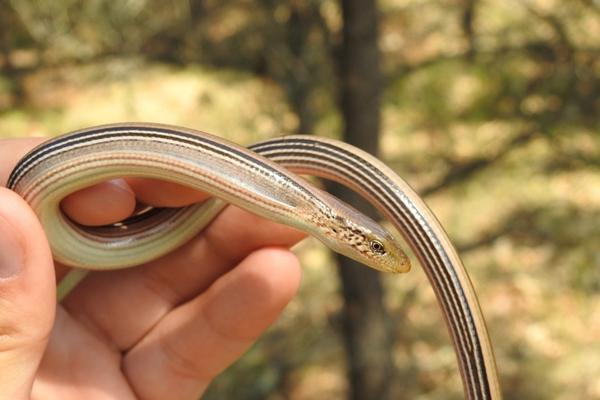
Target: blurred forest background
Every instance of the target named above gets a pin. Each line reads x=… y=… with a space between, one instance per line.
x=488 y=108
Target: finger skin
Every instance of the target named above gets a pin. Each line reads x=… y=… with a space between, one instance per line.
x=199 y=339
x=76 y=365
x=105 y=203
x=27 y=298
x=122 y=305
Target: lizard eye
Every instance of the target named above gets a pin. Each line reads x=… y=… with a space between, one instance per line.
x=377 y=247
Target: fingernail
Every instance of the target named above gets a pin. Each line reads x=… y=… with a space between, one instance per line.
x=11 y=251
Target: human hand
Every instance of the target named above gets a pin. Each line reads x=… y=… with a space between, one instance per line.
x=161 y=330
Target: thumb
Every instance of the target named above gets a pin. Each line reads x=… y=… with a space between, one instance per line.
x=27 y=295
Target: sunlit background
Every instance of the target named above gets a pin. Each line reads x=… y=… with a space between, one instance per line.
x=489 y=109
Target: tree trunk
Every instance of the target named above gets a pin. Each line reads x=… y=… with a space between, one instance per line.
x=365 y=329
